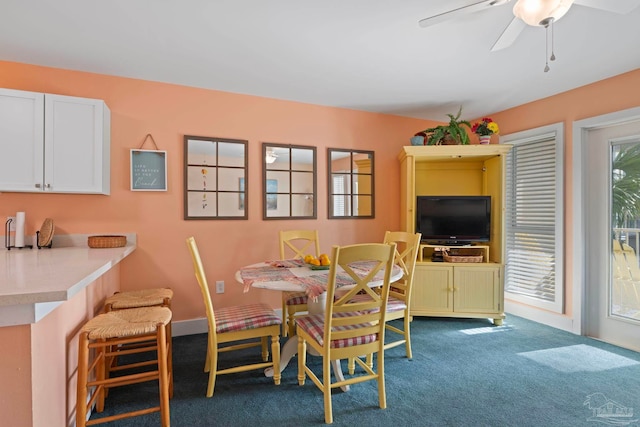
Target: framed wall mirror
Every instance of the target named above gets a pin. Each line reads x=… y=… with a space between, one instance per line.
x=289 y=181
x=351 y=183
x=215 y=178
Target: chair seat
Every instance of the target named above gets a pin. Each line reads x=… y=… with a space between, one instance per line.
x=141 y=298
x=243 y=317
x=314 y=326
x=393 y=304
x=127 y=323
x=295 y=298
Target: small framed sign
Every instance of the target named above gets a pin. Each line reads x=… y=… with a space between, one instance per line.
x=148 y=170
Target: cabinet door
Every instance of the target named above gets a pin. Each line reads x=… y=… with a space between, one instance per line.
x=477 y=289
x=77 y=143
x=431 y=293
x=21 y=140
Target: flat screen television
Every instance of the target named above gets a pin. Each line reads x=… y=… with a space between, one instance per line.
x=453 y=220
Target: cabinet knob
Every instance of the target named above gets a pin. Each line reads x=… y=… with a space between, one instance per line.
x=48 y=185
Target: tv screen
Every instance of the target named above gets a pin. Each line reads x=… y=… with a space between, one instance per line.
x=453 y=220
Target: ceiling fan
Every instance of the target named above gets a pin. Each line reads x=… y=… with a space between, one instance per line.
x=541 y=13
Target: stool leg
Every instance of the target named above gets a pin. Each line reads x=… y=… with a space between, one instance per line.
x=163 y=377
x=170 y=358
x=101 y=373
x=83 y=366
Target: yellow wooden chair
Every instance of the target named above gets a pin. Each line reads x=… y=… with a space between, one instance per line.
x=399 y=304
x=295 y=244
x=347 y=328
x=626 y=278
x=229 y=325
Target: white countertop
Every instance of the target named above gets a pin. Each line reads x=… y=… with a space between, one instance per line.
x=33 y=282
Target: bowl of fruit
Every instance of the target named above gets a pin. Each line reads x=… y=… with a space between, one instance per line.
x=322 y=262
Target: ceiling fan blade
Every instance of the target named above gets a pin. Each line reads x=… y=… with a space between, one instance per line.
x=452 y=14
x=509 y=35
x=619 y=6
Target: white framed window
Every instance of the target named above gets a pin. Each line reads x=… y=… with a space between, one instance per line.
x=534 y=218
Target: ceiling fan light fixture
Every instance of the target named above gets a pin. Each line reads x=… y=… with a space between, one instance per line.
x=270 y=157
x=541 y=12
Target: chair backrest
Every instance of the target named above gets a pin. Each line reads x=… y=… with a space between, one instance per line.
x=299 y=243
x=625 y=261
x=349 y=319
x=407 y=245
x=204 y=288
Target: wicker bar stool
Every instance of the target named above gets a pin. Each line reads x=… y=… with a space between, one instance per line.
x=132 y=331
x=142 y=298
x=160 y=297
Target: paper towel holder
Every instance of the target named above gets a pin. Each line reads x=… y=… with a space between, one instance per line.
x=7 y=237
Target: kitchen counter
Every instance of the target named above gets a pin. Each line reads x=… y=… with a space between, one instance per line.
x=33 y=282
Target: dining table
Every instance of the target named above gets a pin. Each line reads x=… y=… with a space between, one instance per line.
x=294 y=275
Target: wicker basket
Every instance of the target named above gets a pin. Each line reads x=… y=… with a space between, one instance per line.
x=462 y=255
x=107 y=241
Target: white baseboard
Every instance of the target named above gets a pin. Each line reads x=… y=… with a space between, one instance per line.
x=554 y=320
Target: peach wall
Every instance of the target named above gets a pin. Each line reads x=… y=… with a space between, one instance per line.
x=615 y=94
x=168 y=112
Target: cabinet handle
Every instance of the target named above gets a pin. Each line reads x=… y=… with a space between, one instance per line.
x=48 y=185
x=37 y=185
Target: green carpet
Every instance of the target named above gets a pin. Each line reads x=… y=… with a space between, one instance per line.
x=465 y=372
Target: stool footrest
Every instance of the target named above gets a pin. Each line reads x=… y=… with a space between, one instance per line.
x=123 y=416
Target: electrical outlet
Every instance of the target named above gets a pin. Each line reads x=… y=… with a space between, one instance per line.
x=12 y=226
x=219 y=286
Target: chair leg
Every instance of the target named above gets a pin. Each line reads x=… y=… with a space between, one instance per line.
x=285 y=325
x=407 y=335
x=302 y=360
x=207 y=360
x=370 y=360
x=275 y=354
x=291 y=321
x=352 y=365
x=264 y=344
x=382 y=394
x=326 y=389
x=212 y=359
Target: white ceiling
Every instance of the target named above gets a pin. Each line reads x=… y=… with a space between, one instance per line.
x=360 y=54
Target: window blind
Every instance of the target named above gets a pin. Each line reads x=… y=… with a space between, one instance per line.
x=339 y=199
x=531 y=210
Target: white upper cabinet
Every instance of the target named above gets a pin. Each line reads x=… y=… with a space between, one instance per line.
x=54 y=143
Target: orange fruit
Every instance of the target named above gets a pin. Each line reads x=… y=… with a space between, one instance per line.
x=314 y=261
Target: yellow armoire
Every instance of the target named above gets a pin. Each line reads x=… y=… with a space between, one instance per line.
x=456 y=289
